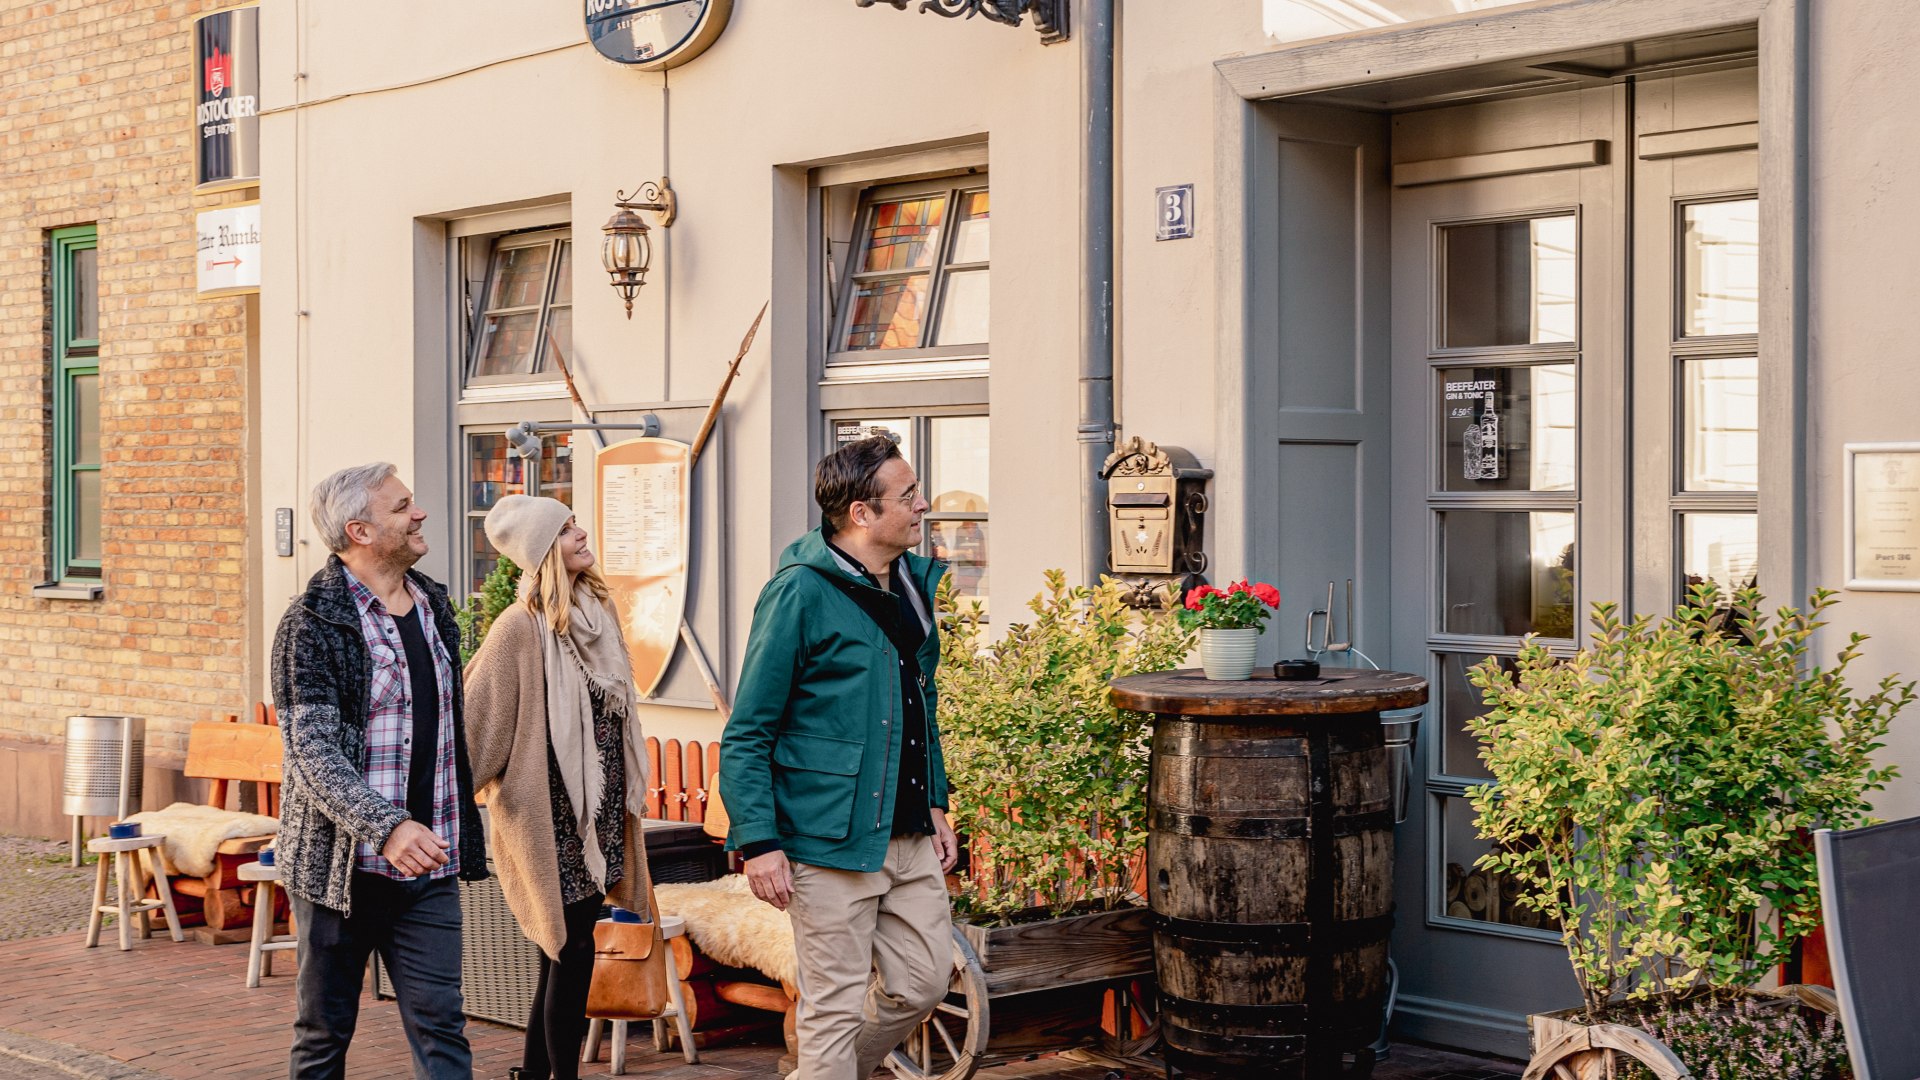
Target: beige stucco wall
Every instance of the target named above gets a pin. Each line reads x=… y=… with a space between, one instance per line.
x=1862 y=381
x=354 y=174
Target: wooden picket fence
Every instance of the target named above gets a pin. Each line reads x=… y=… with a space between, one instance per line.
x=682 y=775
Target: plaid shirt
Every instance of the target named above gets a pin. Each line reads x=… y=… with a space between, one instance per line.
x=390 y=725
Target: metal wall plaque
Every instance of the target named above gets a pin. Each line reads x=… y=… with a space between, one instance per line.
x=226 y=75
x=1173 y=212
x=1883 y=516
x=283 y=531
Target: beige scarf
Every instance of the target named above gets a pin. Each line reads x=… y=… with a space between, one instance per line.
x=591 y=655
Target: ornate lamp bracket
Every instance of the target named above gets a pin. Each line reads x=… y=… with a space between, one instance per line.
x=658 y=198
x=1049 y=16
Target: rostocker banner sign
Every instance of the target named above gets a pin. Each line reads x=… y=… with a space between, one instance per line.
x=226 y=65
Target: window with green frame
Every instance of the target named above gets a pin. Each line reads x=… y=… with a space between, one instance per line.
x=76 y=402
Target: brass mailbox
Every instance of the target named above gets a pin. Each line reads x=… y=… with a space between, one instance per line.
x=1156 y=512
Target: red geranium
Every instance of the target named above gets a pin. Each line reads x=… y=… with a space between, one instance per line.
x=1243 y=605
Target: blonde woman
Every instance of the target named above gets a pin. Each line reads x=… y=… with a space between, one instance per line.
x=555 y=747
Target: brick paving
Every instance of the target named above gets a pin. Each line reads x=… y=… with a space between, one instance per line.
x=182 y=1010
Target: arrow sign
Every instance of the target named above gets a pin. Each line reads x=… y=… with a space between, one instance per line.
x=235 y=261
x=228 y=245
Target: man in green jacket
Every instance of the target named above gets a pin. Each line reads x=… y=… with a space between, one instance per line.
x=831 y=765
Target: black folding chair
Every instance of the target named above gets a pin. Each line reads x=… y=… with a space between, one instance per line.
x=1869 y=896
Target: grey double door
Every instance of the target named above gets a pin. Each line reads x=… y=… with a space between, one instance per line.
x=1514 y=374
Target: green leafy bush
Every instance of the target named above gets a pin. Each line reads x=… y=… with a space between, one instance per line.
x=477 y=614
x=1654 y=794
x=1049 y=778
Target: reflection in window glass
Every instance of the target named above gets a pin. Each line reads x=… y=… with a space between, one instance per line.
x=1721 y=548
x=86 y=294
x=1510 y=282
x=970 y=229
x=519 y=277
x=494 y=471
x=1720 y=268
x=963 y=310
x=86 y=515
x=962 y=545
x=1467 y=892
x=86 y=419
x=1507 y=573
x=900 y=430
x=1721 y=409
x=1459 y=703
x=959 y=480
x=886 y=313
x=506 y=344
x=1508 y=428
x=904 y=234
x=526 y=317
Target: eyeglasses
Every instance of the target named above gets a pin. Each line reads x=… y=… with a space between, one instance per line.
x=912 y=496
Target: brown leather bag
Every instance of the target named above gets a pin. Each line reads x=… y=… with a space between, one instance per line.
x=629 y=969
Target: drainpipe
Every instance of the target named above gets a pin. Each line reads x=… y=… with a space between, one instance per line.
x=1096 y=328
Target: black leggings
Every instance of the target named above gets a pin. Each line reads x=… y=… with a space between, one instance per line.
x=558 y=1023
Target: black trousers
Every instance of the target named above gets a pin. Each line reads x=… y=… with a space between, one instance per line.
x=416 y=927
x=558 y=1023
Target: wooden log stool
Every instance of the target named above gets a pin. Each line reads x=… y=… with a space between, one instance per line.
x=265 y=942
x=125 y=857
x=671 y=927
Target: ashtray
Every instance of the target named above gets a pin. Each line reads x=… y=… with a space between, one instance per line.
x=1296 y=669
x=123 y=830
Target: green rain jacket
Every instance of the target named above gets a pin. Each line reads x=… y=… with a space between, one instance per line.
x=811 y=754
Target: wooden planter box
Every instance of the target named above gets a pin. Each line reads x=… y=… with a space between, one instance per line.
x=1566 y=1046
x=1046 y=981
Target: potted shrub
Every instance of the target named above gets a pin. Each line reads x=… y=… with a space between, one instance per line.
x=1229 y=621
x=1049 y=785
x=1653 y=796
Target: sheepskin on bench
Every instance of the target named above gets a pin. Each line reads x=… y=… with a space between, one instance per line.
x=194 y=833
x=733 y=927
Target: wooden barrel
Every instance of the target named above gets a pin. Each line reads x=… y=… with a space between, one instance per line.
x=1270 y=866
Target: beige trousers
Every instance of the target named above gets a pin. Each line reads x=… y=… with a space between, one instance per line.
x=875 y=955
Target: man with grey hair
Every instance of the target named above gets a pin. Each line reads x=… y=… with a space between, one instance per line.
x=377 y=817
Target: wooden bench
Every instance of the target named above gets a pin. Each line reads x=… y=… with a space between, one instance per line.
x=220 y=905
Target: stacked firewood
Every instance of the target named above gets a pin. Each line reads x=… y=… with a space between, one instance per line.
x=1490 y=896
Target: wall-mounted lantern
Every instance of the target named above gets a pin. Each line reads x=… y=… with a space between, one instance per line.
x=625 y=250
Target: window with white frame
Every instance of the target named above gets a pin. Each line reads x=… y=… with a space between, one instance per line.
x=915 y=284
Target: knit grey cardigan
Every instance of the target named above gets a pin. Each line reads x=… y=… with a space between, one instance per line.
x=322 y=674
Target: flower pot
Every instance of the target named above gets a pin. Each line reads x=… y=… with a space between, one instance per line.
x=1227 y=655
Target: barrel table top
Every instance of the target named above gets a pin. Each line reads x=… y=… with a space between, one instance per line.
x=1337 y=692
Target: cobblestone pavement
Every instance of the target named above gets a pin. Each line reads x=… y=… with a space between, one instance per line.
x=40 y=893
x=181 y=1010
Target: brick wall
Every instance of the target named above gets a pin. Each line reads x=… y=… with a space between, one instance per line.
x=96 y=125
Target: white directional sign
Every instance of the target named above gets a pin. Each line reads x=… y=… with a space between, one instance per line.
x=228 y=259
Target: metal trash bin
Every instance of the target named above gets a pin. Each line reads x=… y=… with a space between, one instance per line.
x=99 y=751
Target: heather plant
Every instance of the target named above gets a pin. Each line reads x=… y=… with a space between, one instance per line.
x=1049 y=778
x=1655 y=793
x=1751 y=1039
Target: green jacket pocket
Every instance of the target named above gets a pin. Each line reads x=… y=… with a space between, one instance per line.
x=814 y=778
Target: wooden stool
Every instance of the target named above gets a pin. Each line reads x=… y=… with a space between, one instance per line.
x=265 y=942
x=671 y=926
x=126 y=857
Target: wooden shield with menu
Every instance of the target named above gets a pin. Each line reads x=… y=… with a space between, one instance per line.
x=644 y=513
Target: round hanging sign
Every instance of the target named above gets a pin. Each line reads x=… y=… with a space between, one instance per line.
x=653 y=35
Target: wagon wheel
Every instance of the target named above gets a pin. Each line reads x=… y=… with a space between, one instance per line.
x=948 y=1044
x=1587 y=1051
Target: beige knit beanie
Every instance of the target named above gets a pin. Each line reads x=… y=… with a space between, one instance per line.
x=524 y=527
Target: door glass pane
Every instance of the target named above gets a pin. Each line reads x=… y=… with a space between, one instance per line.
x=1507 y=572
x=1720 y=268
x=493 y=470
x=506 y=344
x=86 y=515
x=901 y=429
x=1460 y=702
x=970 y=229
x=1508 y=428
x=1510 y=282
x=1722 y=548
x=1472 y=894
x=1721 y=424
x=86 y=294
x=519 y=277
x=886 y=313
x=904 y=234
x=962 y=545
x=958 y=484
x=86 y=419
x=963 y=310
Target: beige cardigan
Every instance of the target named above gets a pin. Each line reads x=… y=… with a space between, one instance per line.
x=506 y=714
